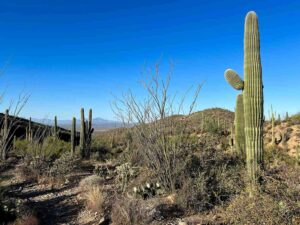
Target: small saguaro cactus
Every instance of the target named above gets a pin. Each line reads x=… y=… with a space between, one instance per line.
x=30 y=133
x=55 y=135
x=252 y=97
x=73 y=136
x=82 y=133
x=286 y=116
x=90 y=128
x=240 y=126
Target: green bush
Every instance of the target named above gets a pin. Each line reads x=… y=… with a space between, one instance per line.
x=50 y=149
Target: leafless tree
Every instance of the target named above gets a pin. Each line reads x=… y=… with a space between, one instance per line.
x=161 y=144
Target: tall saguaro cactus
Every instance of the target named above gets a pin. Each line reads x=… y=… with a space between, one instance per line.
x=253 y=97
x=82 y=133
x=239 y=126
x=252 y=87
x=73 y=136
x=89 y=132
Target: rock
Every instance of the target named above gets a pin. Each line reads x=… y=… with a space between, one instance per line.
x=105 y=220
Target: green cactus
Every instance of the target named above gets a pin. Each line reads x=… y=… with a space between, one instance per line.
x=30 y=133
x=286 y=116
x=239 y=126
x=252 y=97
x=234 y=80
x=55 y=127
x=89 y=131
x=73 y=136
x=82 y=134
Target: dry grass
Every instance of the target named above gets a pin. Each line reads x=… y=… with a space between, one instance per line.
x=127 y=212
x=90 y=181
x=260 y=209
x=23 y=172
x=28 y=219
x=94 y=199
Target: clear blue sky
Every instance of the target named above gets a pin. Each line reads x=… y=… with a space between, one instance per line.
x=70 y=54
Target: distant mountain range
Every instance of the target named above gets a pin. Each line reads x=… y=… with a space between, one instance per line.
x=99 y=124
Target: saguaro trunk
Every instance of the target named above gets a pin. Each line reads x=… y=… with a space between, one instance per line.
x=253 y=97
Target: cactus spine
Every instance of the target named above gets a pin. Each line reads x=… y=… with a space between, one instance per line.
x=239 y=126
x=82 y=134
x=253 y=97
x=73 y=136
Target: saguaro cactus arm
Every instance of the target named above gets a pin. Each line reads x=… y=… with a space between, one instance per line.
x=233 y=79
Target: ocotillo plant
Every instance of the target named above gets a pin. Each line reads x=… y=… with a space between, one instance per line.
x=252 y=97
x=240 y=126
x=5 y=135
x=73 y=136
x=82 y=134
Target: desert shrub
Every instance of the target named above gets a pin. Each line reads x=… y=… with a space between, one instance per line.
x=274 y=154
x=27 y=219
x=294 y=119
x=212 y=126
x=50 y=149
x=210 y=178
x=90 y=181
x=62 y=166
x=22 y=147
x=259 y=209
x=94 y=199
x=128 y=212
x=53 y=148
x=7 y=207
